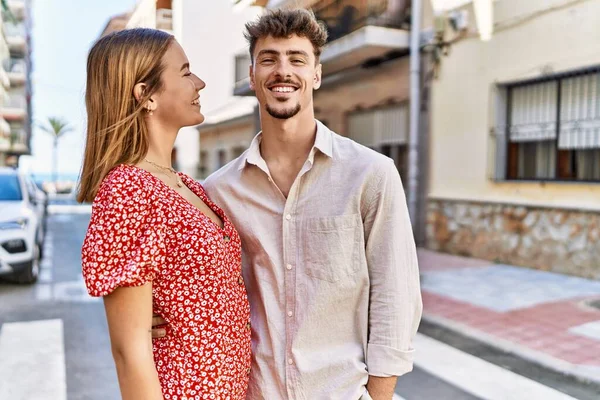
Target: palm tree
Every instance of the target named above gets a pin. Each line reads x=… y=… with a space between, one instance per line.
x=56 y=127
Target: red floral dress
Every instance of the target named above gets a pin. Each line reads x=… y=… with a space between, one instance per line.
x=142 y=230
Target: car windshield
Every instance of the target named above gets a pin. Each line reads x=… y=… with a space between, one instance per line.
x=10 y=190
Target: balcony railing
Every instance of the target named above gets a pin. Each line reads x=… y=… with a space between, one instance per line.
x=17 y=45
x=164 y=19
x=345 y=16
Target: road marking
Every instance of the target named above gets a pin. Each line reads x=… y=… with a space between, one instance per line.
x=32 y=361
x=476 y=376
x=69 y=209
x=46 y=262
x=71 y=291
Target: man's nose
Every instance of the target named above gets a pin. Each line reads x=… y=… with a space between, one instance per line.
x=283 y=70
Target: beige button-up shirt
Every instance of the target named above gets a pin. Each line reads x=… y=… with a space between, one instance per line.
x=331 y=270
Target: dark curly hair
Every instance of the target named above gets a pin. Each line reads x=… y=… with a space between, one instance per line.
x=282 y=23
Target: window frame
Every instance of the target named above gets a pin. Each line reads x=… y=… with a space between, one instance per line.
x=559 y=154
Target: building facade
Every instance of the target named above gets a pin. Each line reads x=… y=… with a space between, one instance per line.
x=515 y=140
x=15 y=55
x=209 y=36
x=365 y=88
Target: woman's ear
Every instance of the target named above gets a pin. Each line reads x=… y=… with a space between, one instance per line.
x=139 y=90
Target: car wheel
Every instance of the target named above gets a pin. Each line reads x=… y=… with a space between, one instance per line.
x=31 y=272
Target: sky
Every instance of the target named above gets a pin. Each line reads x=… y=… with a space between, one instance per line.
x=62 y=33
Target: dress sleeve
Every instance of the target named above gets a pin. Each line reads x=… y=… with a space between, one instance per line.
x=124 y=244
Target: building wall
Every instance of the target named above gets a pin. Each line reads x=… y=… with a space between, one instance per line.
x=531 y=39
x=17 y=103
x=230 y=138
x=144 y=15
x=386 y=84
x=210 y=37
x=461 y=145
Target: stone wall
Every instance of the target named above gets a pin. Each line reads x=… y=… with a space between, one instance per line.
x=556 y=240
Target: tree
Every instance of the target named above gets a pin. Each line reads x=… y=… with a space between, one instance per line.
x=56 y=127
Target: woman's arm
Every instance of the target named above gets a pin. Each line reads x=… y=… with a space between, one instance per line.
x=129 y=316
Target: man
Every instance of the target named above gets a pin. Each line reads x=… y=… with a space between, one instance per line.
x=329 y=259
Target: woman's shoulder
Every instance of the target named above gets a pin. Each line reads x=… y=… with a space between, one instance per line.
x=126 y=182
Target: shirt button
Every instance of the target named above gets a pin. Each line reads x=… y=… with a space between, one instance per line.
x=288 y=267
x=290 y=361
x=290 y=313
x=288 y=217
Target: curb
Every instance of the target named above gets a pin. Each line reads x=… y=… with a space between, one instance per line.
x=581 y=373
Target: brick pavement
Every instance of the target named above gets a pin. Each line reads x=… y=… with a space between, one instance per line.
x=541 y=316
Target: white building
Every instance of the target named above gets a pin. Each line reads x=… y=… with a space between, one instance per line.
x=210 y=36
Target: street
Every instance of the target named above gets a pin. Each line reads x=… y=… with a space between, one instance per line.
x=54 y=344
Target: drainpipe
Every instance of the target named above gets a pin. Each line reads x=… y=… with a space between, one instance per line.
x=415 y=102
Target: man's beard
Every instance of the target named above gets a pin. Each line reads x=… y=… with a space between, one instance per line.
x=285 y=113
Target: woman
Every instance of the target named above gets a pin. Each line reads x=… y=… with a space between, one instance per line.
x=155 y=239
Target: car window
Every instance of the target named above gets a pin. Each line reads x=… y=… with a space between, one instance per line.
x=10 y=190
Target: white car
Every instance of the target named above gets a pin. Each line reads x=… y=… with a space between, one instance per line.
x=22 y=227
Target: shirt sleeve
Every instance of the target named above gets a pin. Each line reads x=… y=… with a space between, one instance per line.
x=395 y=304
x=124 y=244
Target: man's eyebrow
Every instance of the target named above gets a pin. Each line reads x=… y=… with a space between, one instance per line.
x=268 y=51
x=184 y=66
x=296 y=53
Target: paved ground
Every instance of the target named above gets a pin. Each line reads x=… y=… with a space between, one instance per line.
x=541 y=316
x=54 y=343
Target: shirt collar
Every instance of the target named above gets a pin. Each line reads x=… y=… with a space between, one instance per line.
x=323 y=143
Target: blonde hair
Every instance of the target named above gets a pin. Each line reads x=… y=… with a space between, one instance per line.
x=116 y=130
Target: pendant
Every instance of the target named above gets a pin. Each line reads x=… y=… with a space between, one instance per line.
x=179 y=182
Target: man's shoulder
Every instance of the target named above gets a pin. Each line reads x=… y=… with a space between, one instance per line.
x=227 y=173
x=347 y=150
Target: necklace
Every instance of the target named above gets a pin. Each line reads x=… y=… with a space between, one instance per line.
x=169 y=169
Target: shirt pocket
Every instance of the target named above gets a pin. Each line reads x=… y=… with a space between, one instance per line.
x=333 y=247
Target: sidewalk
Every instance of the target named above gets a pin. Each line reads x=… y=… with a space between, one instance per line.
x=540 y=316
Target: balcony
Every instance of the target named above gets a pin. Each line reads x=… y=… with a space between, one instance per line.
x=18 y=8
x=362 y=31
x=164 y=19
x=15 y=109
x=16 y=78
x=17 y=45
x=13 y=140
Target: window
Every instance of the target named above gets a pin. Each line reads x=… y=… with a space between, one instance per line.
x=237 y=151
x=551 y=129
x=384 y=130
x=222 y=157
x=203 y=164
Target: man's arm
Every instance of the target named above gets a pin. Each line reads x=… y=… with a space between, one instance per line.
x=381 y=388
x=129 y=316
x=395 y=304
